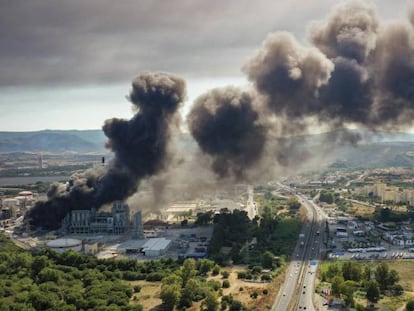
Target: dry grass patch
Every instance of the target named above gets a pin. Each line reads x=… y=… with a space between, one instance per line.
x=242 y=290
x=405 y=269
x=362 y=210
x=149 y=296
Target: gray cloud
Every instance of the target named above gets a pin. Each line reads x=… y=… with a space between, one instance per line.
x=44 y=42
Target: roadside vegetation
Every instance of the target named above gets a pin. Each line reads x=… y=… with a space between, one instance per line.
x=360 y=285
x=238 y=240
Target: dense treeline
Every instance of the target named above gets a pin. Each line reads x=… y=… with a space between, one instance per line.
x=237 y=238
x=73 y=281
x=327 y=196
x=70 y=281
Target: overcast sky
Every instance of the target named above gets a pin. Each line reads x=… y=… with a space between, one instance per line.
x=69 y=64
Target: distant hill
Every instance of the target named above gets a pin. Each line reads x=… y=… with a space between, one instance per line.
x=343 y=148
x=53 y=141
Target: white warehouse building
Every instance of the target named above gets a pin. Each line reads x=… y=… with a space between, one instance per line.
x=156 y=247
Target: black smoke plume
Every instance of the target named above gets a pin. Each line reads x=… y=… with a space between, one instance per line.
x=225 y=125
x=358 y=71
x=349 y=32
x=140 y=146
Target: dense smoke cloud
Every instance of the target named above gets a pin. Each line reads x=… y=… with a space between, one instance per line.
x=288 y=75
x=349 y=32
x=140 y=146
x=358 y=71
x=226 y=126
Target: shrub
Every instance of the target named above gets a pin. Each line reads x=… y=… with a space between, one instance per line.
x=254 y=295
x=154 y=277
x=226 y=284
x=137 y=288
x=249 y=276
x=225 y=274
x=241 y=275
x=216 y=270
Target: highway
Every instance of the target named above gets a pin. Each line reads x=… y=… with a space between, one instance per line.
x=304 y=298
x=297 y=291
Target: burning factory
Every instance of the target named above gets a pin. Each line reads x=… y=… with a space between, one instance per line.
x=117 y=221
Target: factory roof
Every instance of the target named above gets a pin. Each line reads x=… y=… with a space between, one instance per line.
x=25 y=193
x=131 y=244
x=64 y=243
x=156 y=244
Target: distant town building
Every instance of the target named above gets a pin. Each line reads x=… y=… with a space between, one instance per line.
x=388 y=193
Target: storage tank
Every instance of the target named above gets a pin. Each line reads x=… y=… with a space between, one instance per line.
x=61 y=245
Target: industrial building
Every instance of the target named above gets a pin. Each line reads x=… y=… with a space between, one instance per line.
x=92 y=221
x=156 y=247
x=16 y=206
x=153 y=247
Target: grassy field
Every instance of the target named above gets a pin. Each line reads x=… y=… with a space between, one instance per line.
x=362 y=210
x=149 y=296
x=405 y=269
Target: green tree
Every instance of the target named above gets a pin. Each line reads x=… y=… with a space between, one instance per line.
x=216 y=270
x=351 y=271
x=204 y=266
x=188 y=293
x=385 y=277
x=393 y=277
x=373 y=293
x=267 y=260
x=49 y=275
x=170 y=296
x=39 y=263
x=381 y=275
x=347 y=289
x=226 y=284
x=410 y=305
x=366 y=274
x=385 y=214
x=333 y=270
x=43 y=301
x=326 y=196
x=336 y=285
x=210 y=303
x=293 y=203
x=172 y=279
x=225 y=274
x=236 y=305
x=187 y=271
x=204 y=218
